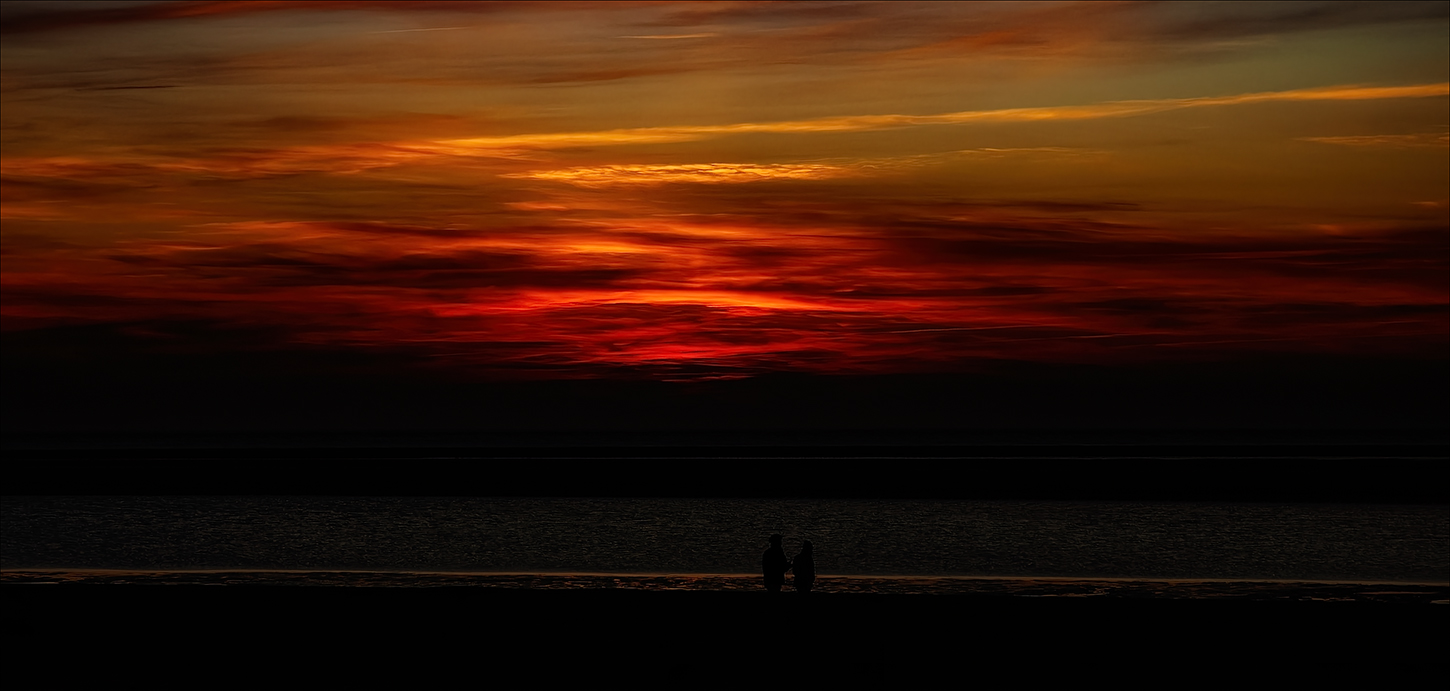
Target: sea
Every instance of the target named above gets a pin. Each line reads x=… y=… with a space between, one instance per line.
x=1390 y=552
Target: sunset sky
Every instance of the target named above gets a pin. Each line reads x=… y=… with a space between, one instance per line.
x=705 y=192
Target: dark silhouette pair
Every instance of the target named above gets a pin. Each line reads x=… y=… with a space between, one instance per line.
x=775 y=565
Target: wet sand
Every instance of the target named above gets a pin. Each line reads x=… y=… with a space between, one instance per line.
x=695 y=639
x=1025 y=587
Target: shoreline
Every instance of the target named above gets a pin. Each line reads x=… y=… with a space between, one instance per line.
x=686 y=636
x=746 y=575
x=931 y=587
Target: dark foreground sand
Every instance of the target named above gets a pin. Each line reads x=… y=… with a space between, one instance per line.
x=425 y=637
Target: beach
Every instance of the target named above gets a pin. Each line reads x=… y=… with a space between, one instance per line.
x=940 y=588
x=598 y=634
x=520 y=589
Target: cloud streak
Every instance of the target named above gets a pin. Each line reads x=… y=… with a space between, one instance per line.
x=861 y=123
x=357 y=157
x=1392 y=141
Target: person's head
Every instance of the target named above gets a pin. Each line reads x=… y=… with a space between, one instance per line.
x=775 y=539
x=806 y=546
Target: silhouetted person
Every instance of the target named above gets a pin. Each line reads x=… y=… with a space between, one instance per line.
x=775 y=565
x=804 y=568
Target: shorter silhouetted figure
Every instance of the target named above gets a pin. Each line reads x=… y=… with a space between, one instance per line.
x=774 y=564
x=804 y=568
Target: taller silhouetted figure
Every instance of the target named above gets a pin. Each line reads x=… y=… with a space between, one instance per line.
x=774 y=564
x=804 y=568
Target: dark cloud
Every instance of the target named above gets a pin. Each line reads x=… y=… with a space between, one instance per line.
x=1003 y=291
x=397 y=229
x=39 y=17
x=907 y=29
x=1138 y=305
x=998 y=245
x=1057 y=206
x=694 y=14
x=127 y=88
x=398 y=126
x=73 y=184
x=605 y=75
x=1276 y=315
x=23 y=243
x=76 y=296
x=280 y=265
x=1409 y=253
x=1190 y=21
x=763 y=255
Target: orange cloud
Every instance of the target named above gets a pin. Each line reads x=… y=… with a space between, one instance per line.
x=858 y=123
x=358 y=157
x=710 y=173
x=736 y=173
x=1393 y=141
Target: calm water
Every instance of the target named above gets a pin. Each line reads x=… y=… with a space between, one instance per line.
x=1004 y=539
